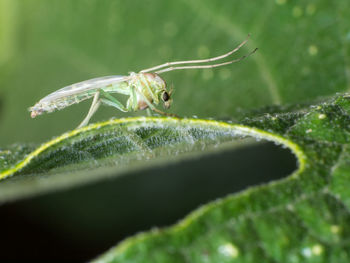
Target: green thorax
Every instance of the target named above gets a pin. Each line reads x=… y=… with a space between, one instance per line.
x=145 y=89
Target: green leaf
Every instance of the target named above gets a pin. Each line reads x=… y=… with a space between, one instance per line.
x=303 y=56
x=304 y=217
x=92 y=153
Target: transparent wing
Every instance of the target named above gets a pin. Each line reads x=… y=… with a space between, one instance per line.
x=84 y=86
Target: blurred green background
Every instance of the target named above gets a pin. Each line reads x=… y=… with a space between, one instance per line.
x=45 y=45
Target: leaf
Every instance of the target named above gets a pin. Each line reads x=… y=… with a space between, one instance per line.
x=304 y=218
x=78 y=156
x=303 y=56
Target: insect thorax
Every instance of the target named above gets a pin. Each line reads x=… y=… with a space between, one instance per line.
x=148 y=86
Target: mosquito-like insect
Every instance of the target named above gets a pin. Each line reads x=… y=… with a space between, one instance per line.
x=145 y=89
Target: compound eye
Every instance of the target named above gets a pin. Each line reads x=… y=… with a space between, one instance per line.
x=165 y=96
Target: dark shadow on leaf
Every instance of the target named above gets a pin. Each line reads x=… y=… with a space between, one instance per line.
x=81 y=223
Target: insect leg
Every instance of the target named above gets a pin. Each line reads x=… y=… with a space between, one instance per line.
x=93 y=108
x=111 y=101
x=143 y=97
x=149 y=113
x=146 y=83
x=165 y=113
x=115 y=104
x=134 y=97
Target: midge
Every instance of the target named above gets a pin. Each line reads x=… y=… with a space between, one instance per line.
x=145 y=89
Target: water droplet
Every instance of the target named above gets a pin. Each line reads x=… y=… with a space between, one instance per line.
x=322 y=116
x=317 y=249
x=229 y=250
x=309 y=130
x=290 y=207
x=335 y=229
x=313 y=50
x=306 y=252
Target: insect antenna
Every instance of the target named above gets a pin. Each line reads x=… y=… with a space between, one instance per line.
x=167 y=64
x=205 y=66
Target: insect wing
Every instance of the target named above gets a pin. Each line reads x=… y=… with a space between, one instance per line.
x=84 y=86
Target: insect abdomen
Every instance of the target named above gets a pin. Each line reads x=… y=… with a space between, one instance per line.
x=67 y=101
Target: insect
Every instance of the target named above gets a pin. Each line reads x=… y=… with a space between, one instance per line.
x=145 y=89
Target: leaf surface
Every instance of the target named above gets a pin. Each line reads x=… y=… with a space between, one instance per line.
x=304 y=218
x=303 y=56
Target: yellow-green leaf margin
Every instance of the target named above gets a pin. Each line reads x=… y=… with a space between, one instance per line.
x=237 y=128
